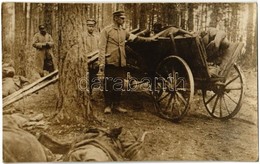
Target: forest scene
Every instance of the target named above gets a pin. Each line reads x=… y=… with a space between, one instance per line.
x=53 y=113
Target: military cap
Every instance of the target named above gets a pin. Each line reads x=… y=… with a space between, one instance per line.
x=41 y=26
x=119 y=13
x=91 y=22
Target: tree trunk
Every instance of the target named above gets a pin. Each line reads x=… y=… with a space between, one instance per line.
x=234 y=21
x=183 y=12
x=107 y=14
x=48 y=10
x=217 y=14
x=135 y=15
x=20 y=58
x=190 y=17
x=251 y=35
x=28 y=5
x=143 y=16
x=8 y=29
x=73 y=101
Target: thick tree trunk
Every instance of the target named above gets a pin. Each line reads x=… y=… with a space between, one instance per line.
x=73 y=102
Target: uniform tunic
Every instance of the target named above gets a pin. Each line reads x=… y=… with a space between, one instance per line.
x=112 y=41
x=91 y=42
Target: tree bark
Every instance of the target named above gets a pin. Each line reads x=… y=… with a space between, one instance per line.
x=48 y=10
x=143 y=16
x=135 y=15
x=20 y=57
x=190 y=17
x=28 y=6
x=73 y=102
x=8 y=23
x=107 y=14
x=251 y=35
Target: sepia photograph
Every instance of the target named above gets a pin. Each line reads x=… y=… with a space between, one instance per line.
x=104 y=82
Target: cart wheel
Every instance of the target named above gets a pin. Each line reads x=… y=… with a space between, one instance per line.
x=173 y=88
x=225 y=99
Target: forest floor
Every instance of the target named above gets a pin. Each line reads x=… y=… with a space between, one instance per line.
x=198 y=137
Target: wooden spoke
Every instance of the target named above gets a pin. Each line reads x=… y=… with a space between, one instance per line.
x=220 y=109
x=232 y=80
x=215 y=104
x=169 y=101
x=211 y=98
x=179 y=83
x=158 y=93
x=164 y=97
x=235 y=88
x=181 y=97
x=231 y=98
x=165 y=80
x=226 y=105
x=172 y=105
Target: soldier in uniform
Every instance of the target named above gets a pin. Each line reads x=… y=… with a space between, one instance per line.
x=43 y=43
x=112 y=42
x=91 y=39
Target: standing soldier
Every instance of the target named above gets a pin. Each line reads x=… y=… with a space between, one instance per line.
x=91 y=39
x=112 y=42
x=43 y=43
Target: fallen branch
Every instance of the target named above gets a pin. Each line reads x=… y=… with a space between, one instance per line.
x=29 y=91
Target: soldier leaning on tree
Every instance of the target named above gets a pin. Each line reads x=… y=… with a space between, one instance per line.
x=43 y=43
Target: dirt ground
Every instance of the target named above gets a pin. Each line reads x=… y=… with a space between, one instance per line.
x=198 y=137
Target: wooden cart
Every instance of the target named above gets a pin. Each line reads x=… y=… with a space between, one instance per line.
x=178 y=66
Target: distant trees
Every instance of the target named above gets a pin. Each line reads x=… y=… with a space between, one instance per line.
x=66 y=23
x=23 y=19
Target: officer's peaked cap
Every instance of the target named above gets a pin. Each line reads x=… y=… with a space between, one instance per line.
x=91 y=22
x=119 y=13
x=41 y=26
